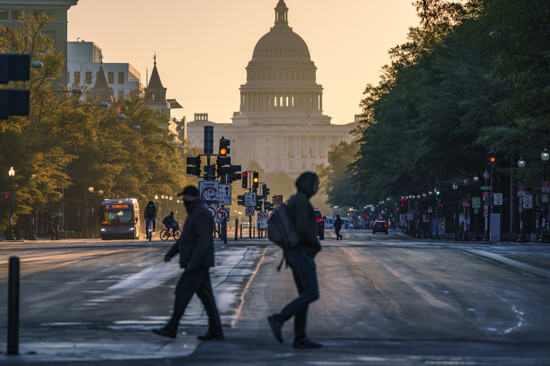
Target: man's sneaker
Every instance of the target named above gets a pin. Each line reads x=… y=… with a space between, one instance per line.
x=276 y=325
x=306 y=343
x=211 y=337
x=166 y=332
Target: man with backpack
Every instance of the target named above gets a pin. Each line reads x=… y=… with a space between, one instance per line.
x=301 y=261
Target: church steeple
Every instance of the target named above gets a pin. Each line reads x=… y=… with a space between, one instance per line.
x=155 y=93
x=281 y=14
x=101 y=90
x=154 y=81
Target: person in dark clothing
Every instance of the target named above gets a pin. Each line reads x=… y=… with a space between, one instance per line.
x=150 y=216
x=196 y=255
x=169 y=221
x=301 y=261
x=338 y=227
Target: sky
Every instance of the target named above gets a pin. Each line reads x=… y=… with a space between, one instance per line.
x=203 y=47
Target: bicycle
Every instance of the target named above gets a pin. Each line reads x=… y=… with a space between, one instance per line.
x=149 y=230
x=174 y=231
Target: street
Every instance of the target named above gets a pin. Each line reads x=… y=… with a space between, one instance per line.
x=385 y=299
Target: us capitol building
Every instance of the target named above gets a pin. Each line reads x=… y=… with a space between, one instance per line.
x=280 y=124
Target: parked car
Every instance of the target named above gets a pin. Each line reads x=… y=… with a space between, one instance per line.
x=380 y=226
x=320 y=224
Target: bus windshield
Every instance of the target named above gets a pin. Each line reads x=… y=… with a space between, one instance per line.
x=117 y=216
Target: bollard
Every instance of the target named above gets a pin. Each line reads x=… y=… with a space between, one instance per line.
x=13 y=307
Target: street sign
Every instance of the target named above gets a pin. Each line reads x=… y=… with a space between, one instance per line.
x=262 y=220
x=250 y=199
x=209 y=190
x=497 y=199
x=545 y=188
x=224 y=194
x=222 y=214
x=213 y=209
x=249 y=211
x=485 y=188
x=476 y=202
x=528 y=201
x=521 y=191
x=465 y=203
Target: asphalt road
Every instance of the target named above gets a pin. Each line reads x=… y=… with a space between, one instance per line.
x=385 y=299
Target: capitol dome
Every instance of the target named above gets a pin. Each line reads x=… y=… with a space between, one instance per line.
x=281 y=77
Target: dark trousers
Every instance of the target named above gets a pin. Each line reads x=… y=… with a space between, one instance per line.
x=337 y=232
x=305 y=277
x=196 y=281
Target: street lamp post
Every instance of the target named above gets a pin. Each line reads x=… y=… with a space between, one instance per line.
x=544 y=238
x=455 y=218
x=486 y=208
x=521 y=237
x=11 y=174
x=466 y=206
x=476 y=208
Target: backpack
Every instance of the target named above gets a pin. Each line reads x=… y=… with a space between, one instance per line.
x=280 y=230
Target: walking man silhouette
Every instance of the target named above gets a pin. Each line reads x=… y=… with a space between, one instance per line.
x=196 y=254
x=301 y=262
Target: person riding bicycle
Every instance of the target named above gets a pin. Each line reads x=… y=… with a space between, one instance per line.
x=170 y=222
x=150 y=216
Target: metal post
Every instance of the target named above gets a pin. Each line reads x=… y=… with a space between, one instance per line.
x=13 y=307
x=236 y=228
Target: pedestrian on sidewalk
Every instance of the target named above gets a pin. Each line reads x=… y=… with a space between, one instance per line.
x=301 y=261
x=196 y=255
x=338 y=227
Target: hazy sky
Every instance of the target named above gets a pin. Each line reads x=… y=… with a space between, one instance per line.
x=203 y=47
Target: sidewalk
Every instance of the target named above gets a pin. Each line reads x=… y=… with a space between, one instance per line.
x=66 y=346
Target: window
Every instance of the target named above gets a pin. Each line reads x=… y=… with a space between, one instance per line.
x=68 y=77
x=121 y=78
x=3 y=14
x=15 y=14
x=76 y=80
x=39 y=12
x=88 y=79
x=120 y=94
x=111 y=77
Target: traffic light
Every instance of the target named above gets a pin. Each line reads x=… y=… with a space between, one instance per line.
x=255 y=179
x=234 y=175
x=265 y=191
x=5 y=198
x=208 y=139
x=224 y=146
x=14 y=102
x=258 y=203
x=491 y=158
x=245 y=179
x=240 y=200
x=194 y=165
x=224 y=165
x=268 y=206
x=277 y=200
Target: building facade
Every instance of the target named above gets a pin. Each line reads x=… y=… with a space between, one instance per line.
x=280 y=123
x=84 y=60
x=10 y=10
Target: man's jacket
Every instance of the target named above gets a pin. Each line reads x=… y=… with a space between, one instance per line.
x=150 y=212
x=302 y=213
x=195 y=244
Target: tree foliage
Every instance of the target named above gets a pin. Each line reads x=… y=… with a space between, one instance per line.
x=473 y=76
x=64 y=146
